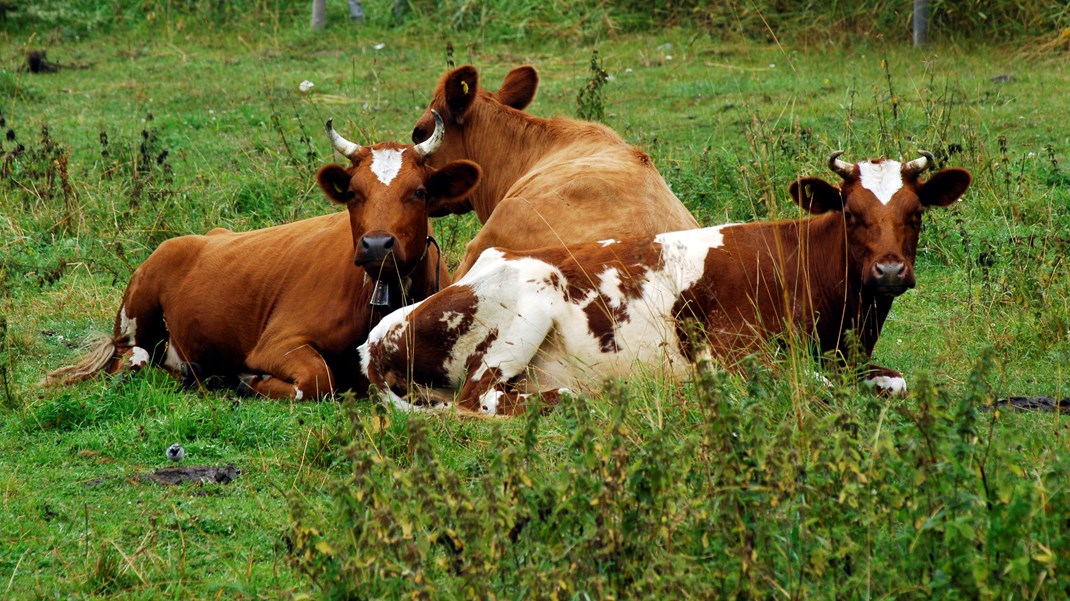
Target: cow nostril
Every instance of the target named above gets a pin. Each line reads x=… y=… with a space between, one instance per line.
x=377 y=246
x=882 y=270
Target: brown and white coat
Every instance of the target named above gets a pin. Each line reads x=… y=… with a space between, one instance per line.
x=538 y=321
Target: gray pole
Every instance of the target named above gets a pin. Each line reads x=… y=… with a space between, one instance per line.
x=921 y=22
x=319 y=13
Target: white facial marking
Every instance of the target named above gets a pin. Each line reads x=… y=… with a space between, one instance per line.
x=298 y=395
x=883 y=179
x=896 y=386
x=606 y=243
x=127 y=325
x=386 y=164
x=139 y=357
x=488 y=401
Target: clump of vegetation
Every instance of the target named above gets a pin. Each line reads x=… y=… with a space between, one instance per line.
x=926 y=499
x=591 y=101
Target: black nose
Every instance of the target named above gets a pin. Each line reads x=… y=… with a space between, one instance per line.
x=376 y=247
x=892 y=277
x=889 y=271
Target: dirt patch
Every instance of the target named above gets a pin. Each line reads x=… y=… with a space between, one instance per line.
x=172 y=476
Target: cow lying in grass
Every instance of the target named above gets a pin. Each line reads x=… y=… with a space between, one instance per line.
x=547 y=182
x=537 y=321
x=280 y=311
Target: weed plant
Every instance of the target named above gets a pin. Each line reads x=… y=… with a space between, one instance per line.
x=719 y=497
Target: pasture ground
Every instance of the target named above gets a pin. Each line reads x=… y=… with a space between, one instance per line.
x=757 y=482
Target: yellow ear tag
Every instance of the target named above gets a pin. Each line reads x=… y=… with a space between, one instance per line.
x=464 y=87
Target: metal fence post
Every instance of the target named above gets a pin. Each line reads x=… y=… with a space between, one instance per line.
x=319 y=13
x=921 y=22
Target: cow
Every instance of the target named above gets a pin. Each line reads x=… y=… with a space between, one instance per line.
x=280 y=311
x=542 y=321
x=548 y=182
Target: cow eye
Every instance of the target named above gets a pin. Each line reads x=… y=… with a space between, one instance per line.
x=849 y=217
x=420 y=194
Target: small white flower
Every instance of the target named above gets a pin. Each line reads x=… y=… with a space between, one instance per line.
x=628 y=70
x=772 y=65
x=668 y=57
x=306 y=86
x=380 y=46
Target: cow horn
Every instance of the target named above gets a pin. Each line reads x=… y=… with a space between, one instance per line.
x=919 y=165
x=844 y=169
x=430 y=145
x=345 y=147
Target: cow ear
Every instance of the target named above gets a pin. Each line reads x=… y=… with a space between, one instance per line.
x=944 y=188
x=518 y=89
x=334 y=181
x=816 y=195
x=448 y=188
x=460 y=86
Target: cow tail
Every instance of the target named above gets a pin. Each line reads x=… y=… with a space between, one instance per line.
x=100 y=355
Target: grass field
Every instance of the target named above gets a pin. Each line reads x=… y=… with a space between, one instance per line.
x=755 y=483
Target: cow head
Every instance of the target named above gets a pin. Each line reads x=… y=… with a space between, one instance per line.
x=459 y=98
x=390 y=190
x=881 y=203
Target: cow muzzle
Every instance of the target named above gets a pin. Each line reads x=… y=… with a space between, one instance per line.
x=890 y=278
x=376 y=251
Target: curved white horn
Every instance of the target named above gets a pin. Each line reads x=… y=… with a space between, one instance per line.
x=430 y=145
x=842 y=168
x=345 y=147
x=919 y=165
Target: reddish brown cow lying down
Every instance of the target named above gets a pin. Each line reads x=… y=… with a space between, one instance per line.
x=538 y=321
x=284 y=308
x=547 y=182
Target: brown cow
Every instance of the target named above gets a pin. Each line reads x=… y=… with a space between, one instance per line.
x=547 y=182
x=524 y=322
x=284 y=308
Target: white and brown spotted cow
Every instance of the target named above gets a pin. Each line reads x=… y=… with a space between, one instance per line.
x=280 y=311
x=538 y=321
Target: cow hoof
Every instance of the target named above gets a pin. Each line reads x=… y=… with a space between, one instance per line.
x=189 y=373
x=247 y=383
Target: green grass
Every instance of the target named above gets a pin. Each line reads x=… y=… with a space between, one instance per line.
x=761 y=484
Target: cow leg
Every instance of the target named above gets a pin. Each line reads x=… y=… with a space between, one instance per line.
x=296 y=373
x=487 y=389
x=884 y=381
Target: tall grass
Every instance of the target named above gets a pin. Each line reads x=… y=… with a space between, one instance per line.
x=721 y=496
x=588 y=20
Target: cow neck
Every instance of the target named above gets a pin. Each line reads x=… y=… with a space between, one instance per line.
x=419 y=283
x=508 y=143
x=839 y=298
